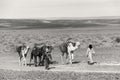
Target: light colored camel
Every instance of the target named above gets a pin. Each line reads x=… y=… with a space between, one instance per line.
x=23 y=51
x=71 y=48
x=68 y=48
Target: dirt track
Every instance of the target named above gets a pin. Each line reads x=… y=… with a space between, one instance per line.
x=10 y=70
x=10 y=62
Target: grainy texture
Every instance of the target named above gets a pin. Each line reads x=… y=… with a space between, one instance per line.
x=48 y=75
x=9 y=39
x=106 y=44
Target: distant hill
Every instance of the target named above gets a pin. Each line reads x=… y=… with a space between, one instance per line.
x=58 y=23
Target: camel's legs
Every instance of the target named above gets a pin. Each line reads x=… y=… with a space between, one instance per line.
x=70 y=58
x=25 y=62
x=72 y=55
x=62 y=59
x=20 y=61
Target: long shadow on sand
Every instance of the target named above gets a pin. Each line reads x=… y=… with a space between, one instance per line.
x=53 y=62
x=75 y=62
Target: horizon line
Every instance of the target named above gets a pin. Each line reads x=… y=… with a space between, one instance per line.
x=52 y=18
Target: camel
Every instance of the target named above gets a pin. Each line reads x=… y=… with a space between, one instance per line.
x=43 y=52
x=36 y=52
x=68 y=48
x=47 y=56
x=23 y=51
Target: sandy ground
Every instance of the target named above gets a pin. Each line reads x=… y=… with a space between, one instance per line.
x=10 y=62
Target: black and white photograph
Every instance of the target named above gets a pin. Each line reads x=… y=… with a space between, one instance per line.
x=59 y=39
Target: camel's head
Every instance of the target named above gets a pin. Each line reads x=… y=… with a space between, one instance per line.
x=78 y=44
x=27 y=47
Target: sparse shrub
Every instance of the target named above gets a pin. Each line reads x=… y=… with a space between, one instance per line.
x=9 y=37
x=117 y=40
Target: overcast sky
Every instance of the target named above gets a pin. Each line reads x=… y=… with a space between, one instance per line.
x=58 y=8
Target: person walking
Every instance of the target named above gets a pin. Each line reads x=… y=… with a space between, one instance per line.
x=90 y=52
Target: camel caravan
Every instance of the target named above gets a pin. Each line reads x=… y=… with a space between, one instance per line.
x=42 y=53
